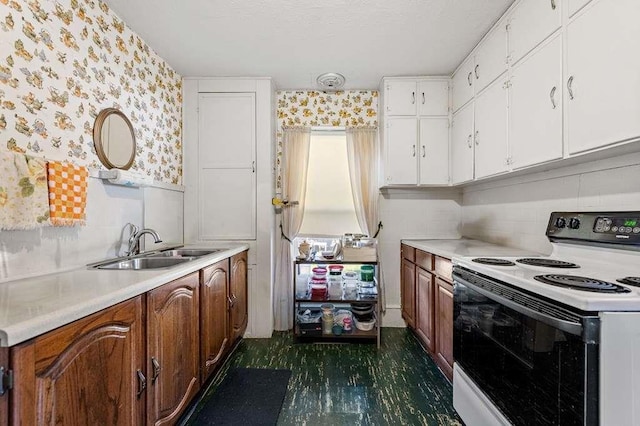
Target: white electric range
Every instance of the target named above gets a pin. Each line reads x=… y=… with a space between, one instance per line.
x=552 y=339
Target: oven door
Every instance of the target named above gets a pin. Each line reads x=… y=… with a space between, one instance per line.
x=534 y=367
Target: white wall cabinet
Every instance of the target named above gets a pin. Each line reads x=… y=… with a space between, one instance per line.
x=401 y=97
x=602 y=80
x=491 y=130
x=433 y=97
x=535 y=107
x=401 y=145
x=531 y=22
x=490 y=58
x=462 y=145
x=433 y=154
x=462 y=84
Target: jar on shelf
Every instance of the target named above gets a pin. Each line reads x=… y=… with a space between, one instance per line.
x=335 y=281
x=318 y=288
x=351 y=282
x=319 y=272
x=366 y=273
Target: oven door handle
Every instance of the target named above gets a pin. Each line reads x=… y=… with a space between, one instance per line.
x=567 y=326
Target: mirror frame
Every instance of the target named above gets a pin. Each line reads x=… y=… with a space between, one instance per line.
x=98 y=143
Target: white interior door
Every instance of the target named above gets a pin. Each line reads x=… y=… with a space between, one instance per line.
x=535 y=107
x=491 y=58
x=491 y=130
x=401 y=142
x=462 y=145
x=434 y=151
x=603 y=77
x=400 y=97
x=532 y=21
x=433 y=97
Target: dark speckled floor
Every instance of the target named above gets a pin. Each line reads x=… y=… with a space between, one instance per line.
x=352 y=384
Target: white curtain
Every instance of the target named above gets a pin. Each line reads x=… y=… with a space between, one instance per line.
x=362 y=151
x=295 y=161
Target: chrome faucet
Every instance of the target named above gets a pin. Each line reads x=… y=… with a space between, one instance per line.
x=134 y=238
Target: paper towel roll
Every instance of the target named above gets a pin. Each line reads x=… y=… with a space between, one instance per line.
x=126 y=177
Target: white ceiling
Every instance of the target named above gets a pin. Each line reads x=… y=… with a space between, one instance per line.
x=293 y=41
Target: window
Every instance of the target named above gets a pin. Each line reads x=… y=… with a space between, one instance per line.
x=329 y=209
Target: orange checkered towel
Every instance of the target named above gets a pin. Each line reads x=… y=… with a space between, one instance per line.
x=67 y=193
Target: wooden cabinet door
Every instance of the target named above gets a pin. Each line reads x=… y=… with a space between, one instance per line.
x=425 y=308
x=4 y=399
x=444 y=333
x=535 y=107
x=401 y=147
x=433 y=97
x=531 y=22
x=238 y=295
x=491 y=130
x=433 y=154
x=407 y=292
x=400 y=97
x=214 y=317
x=173 y=349
x=602 y=85
x=85 y=373
x=490 y=58
x=462 y=145
x=462 y=84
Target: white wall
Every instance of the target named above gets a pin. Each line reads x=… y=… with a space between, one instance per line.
x=515 y=211
x=412 y=213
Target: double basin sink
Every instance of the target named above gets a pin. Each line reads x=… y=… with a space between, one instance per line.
x=155 y=260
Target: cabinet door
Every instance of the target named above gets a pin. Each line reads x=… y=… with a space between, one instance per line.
x=462 y=145
x=491 y=130
x=173 y=348
x=4 y=399
x=491 y=58
x=214 y=313
x=407 y=292
x=425 y=308
x=238 y=293
x=433 y=97
x=401 y=146
x=532 y=21
x=462 y=84
x=400 y=97
x=576 y=5
x=444 y=312
x=84 y=373
x=434 y=151
x=603 y=83
x=535 y=107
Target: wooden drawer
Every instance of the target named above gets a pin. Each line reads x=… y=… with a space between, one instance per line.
x=424 y=260
x=408 y=252
x=443 y=268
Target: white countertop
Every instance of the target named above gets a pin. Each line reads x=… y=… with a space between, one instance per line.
x=32 y=306
x=465 y=247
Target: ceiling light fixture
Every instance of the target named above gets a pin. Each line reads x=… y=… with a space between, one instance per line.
x=330 y=80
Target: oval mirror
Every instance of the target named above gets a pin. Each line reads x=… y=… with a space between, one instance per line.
x=114 y=139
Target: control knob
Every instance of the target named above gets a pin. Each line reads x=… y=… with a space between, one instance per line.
x=561 y=222
x=574 y=223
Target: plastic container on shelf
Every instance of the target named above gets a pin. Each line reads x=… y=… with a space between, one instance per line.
x=319 y=272
x=366 y=273
x=318 y=288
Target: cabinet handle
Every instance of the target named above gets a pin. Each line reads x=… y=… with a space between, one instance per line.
x=476 y=138
x=142 y=383
x=469 y=78
x=569 y=84
x=232 y=302
x=156 y=369
x=553 y=4
x=424 y=151
x=476 y=71
x=423 y=100
x=413 y=98
x=253 y=166
x=552 y=95
x=469 y=141
x=413 y=150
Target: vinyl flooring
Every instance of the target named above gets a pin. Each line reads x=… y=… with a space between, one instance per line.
x=351 y=384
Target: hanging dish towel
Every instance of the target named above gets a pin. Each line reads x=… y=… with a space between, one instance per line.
x=67 y=193
x=24 y=202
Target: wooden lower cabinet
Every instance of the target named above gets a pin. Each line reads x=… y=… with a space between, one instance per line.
x=407 y=292
x=425 y=308
x=89 y=372
x=173 y=348
x=214 y=313
x=444 y=309
x=4 y=399
x=238 y=300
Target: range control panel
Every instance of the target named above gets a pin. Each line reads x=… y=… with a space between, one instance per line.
x=605 y=227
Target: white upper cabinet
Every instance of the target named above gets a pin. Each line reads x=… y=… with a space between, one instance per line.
x=531 y=22
x=401 y=151
x=400 y=97
x=576 y=5
x=490 y=58
x=434 y=151
x=491 y=130
x=535 y=107
x=433 y=97
x=462 y=145
x=603 y=74
x=462 y=83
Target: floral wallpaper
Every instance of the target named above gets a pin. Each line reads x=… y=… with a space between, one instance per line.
x=344 y=108
x=64 y=61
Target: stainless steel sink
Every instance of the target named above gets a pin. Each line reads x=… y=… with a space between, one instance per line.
x=145 y=263
x=184 y=253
